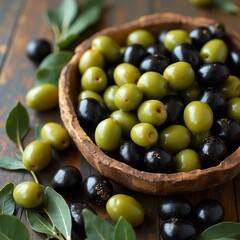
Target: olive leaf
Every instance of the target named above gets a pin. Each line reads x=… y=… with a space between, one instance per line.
x=223 y=230
x=50 y=68
x=123 y=230
x=12 y=228
x=37 y=131
x=227 y=6
x=11 y=163
x=95 y=227
x=7 y=203
x=58 y=212
x=88 y=15
x=39 y=224
x=17 y=123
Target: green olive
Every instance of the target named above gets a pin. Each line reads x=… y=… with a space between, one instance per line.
x=231 y=87
x=198 y=117
x=142 y=37
x=192 y=92
x=126 y=73
x=94 y=79
x=108 y=46
x=187 y=160
x=126 y=206
x=89 y=94
x=233 y=108
x=174 y=138
x=179 y=75
x=108 y=134
x=126 y=119
x=214 y=50
x=175 y=37
x=91 y=58
x=108 y=97
x=37 y=155
x=28 y=194
x=56 y=135
x=197 y=139
x=42 y=97
x=153 y=85
x=144 y=134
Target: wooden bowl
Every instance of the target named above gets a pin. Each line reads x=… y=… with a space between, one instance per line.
x=150 y=183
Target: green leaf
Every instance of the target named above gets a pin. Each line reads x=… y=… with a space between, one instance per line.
x=63 y=15
x=88 y=15
x=7 y=203
x=11 y=164
x=37 y=131
x=227 y=6
x=17 y=123
x=39 y=224
x=11 y=228
x=50 y=68
x=123 y=230
x=96 y=228
x=221 y=230
x=58 y=212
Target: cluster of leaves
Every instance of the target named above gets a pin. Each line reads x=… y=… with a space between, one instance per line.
x=228 y=6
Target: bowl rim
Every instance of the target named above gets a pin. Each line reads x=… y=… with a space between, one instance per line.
x=146 y=182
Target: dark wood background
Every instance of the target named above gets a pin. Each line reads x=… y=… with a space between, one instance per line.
x=20 y=22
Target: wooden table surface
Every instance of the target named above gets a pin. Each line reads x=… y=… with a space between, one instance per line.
x=20 y=22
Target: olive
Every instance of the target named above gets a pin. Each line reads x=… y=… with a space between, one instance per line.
x=97 y=189
x=231 y=87
x=126 y=206
x=131 y=154
x=28 y=194
x=108 y=97
x=142 y=37
x=174 y=138
x=233 y=62
x=156 y=49
x=187 y=160
x=212 y=151
x=158 y=160
x=90 y=112
x=91 y=58
x=180 y=75
x=215 y=50
x=215 y=99
x=208 y=212
x=198 y=117
x=202 y=3
x=108 y=46
x=67 y=180
x=37 y=155
x=77 y=217
x=227 y=129
x=38 y=49
x=134 y=54
x=161 y=36
x=42 y=97
x=144 y=134
x=174 y=106
x=233 y=108
x=186 y=52
x=212 y=74
x=155 y=63
x=178 y=229
x=174 y=206
x=108 y=134
x=217 y=30
x=199 y=36
x=56 y=135
x=192 y=92
x=89 y=94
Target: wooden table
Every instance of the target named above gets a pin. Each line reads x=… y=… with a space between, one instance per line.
x=20 y=22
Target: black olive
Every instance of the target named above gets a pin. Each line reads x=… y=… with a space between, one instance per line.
x=159 y=160
x=90 y=112
x=155 y=63
x=156 y=49
x=178 y=229
x=208 y=212
x=212 y=151
x=186 y=52
x=199 y=36
x=217 y=30
x=38 y=49
x=233 y=62
x=174 y=207
x=212 y=74
x=97 y=189
x=67 y=180
x=131 y=154
x=134 y=54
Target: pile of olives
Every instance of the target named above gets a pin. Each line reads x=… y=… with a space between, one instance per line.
x=162 y=103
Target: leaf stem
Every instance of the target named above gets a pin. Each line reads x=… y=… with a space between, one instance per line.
x=34 y=176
